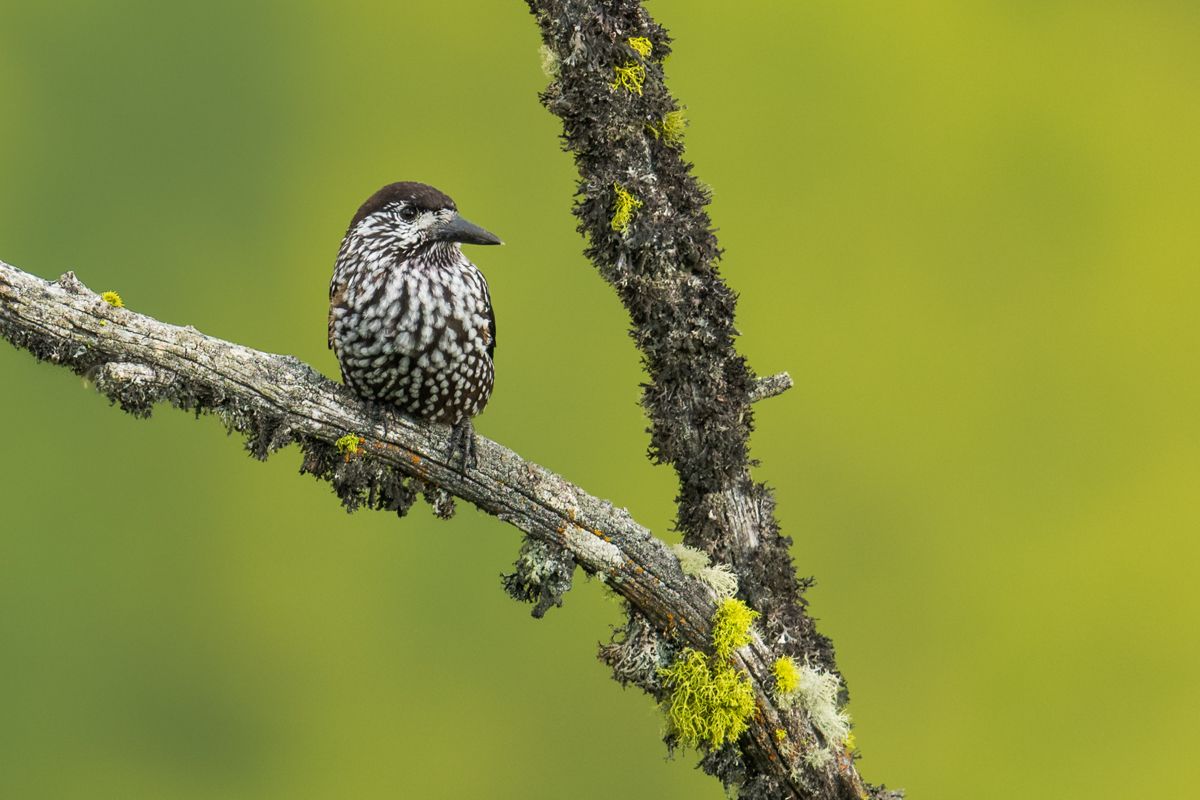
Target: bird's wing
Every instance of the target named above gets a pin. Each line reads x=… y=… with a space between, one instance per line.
x=337 y=295
x=491 y=330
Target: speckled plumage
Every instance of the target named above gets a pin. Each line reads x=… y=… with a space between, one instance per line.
x=410 y=317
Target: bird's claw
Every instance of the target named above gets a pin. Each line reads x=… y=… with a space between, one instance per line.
x=462 y=437
x=380 y=412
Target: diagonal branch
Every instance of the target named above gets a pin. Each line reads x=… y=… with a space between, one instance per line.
x=276 y=400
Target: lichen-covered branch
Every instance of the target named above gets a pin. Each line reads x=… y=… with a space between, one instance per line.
x=374 y=461
x=643 y=215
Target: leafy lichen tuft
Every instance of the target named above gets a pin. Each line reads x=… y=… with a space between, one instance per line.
x=542 y=576
x=672 y=127
x=720 y=579
x=113 y=299
x=549 y=62
x=787 y=676
x=349 y=445
x=817 y=691
x=731 y=627
x=710 y=702
x=695 y=564
x=636 y=653
x=691 y=560
x=441 y=502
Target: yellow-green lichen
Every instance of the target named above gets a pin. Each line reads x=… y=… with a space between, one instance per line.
x=787 y=677
x=672 y=127
x=629 y=77
x=349 y=445
x=710 y=701
x=624 y=204
x=780 y=735
x=113 y=299
x=641 y=45
x=731 y=627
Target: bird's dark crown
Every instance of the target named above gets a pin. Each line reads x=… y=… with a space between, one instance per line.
x=421 y=195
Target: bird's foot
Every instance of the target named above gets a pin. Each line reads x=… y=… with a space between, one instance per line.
x=379 y=412
x=462 y=437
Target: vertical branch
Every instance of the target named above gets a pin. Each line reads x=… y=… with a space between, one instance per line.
x=642 y=213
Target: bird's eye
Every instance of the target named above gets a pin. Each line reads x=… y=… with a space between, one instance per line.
x=408 y=213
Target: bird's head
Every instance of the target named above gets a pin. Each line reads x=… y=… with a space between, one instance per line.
x=409 y=216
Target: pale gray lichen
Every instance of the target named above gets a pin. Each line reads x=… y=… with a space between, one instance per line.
x=691 y=560
x=817 y=757
x=543 y=575
x=696 y=564
x=549 y=62
x=720 y=579
x=636 y=653
x=818 y=694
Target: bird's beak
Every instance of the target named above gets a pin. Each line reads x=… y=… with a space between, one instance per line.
x=458 y=229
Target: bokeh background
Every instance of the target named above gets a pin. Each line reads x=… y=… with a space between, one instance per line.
x=969 y=230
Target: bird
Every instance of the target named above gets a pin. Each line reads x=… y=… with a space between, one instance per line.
x=410 y=317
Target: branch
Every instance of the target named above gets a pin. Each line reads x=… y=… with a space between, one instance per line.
x=648 y=233
x=276 y=400
x=771 y=386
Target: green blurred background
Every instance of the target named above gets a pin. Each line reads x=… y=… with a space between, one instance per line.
x=969 y=230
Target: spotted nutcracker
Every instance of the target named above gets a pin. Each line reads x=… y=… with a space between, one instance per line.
x=410 y=318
